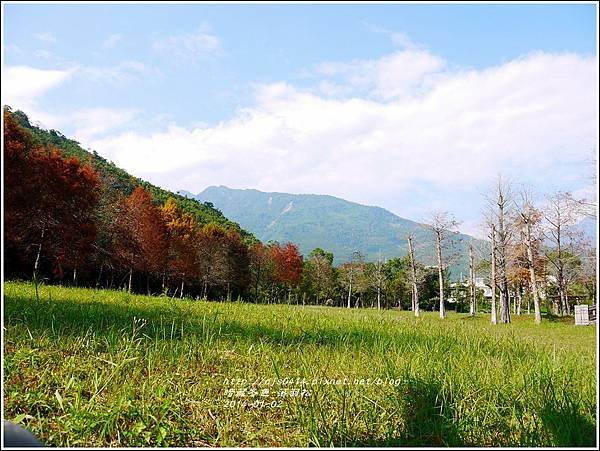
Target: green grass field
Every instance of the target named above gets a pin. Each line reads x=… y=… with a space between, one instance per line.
x=89 y=367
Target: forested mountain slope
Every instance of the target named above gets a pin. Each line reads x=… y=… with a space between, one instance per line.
x=121 y=180
x=331 y=223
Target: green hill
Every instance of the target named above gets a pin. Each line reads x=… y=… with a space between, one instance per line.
x=334 y=224
x=119 y=179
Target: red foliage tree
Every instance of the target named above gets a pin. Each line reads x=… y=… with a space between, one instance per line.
x=140 y=233
x=49 y=201
x=18 y=193
x=58 y=211
x=212 y=257
x=288 y=265
x=261 y=267
x=237 y=261
x=182 y=237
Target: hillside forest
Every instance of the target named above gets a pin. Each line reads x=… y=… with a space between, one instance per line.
x=73 y=218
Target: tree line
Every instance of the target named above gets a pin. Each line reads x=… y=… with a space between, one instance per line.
x=538 y=251
x=65 y=222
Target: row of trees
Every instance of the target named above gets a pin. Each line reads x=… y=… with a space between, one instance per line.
x=356 y=283
x=49 y=204
x=538 y=250
x=535 y=252
x=65 y=221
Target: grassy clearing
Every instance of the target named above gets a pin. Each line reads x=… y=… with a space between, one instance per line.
x=104 y=368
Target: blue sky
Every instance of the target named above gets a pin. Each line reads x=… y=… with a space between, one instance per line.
x=307 y=96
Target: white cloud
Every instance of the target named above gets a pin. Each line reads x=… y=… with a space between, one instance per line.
x=112 y=40
x=13 y=48
x=401 y=39
x=46 y=37
x=23 y=85
x=398 y=38
x=450 y=135
x=123 y=72
x=404 y=131
x=91 y=123
x=400 y=74
x=44 y=54
x=189 y=45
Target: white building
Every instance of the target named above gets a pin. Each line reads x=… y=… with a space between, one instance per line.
x=479 y=285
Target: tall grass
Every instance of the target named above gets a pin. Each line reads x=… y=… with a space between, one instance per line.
x=104 y=368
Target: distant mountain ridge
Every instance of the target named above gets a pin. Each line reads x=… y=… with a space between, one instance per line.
x=334 y=224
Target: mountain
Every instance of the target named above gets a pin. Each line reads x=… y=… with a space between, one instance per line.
x=334 y=224
x=120 y=180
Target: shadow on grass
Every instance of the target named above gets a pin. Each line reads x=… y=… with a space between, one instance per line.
x=424 y=418
x=563 y=420
x=72 y=318
x=551 y=317
x=428 y=416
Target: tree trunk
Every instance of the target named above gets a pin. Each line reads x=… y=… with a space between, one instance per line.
x=130 y=277
x=514 y=301
x=378 y=297
x=415 y=287
x=502 y=263
x=472 y=306
x=494 y=319
x=75 y=276
x=36 y=264
x=562 y=290
x=440 y=275
x=533 y=281
x=349 y=294
x=519 y=299
x=257 y=283
x=563 y=307
x=560 y=303
x=99 y=276
x=504 y=302
x=182 y=285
